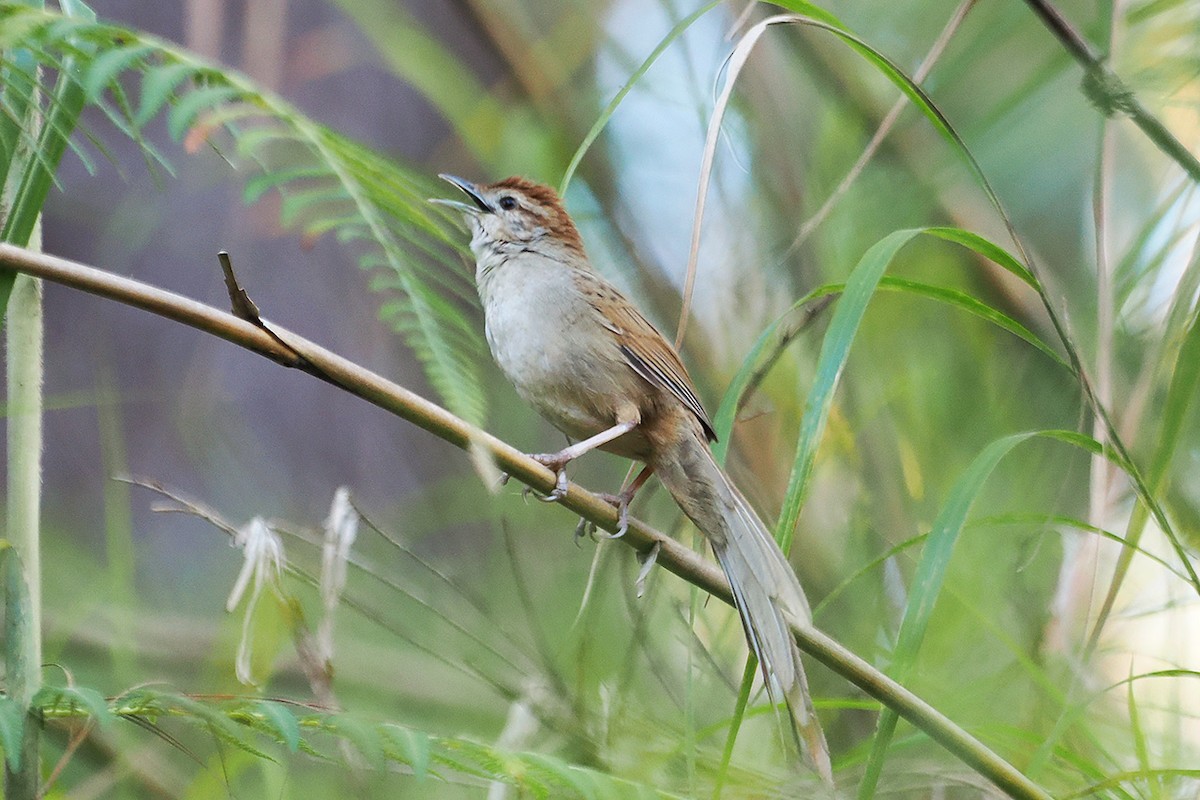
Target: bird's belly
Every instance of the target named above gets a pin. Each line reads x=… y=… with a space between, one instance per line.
x=542 y=339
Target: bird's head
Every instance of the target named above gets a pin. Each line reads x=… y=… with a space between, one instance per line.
x=514 y=213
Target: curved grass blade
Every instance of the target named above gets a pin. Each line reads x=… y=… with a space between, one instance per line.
x=978 y=308
x=927 y=584
x=923 y=103
x=931 y=571
x=1184 y=382
x=611 y=108
x=835 y=349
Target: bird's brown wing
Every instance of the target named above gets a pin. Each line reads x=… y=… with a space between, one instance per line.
x=644 y=348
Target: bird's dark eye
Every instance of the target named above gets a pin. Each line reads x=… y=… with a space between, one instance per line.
x=508 y=202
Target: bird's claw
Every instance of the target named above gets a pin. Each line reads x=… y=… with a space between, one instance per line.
x=621 y=501
x=585 y=527
x=556 y=463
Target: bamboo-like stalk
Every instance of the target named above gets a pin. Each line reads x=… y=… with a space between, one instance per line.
x=23 y=648
x=294 y=351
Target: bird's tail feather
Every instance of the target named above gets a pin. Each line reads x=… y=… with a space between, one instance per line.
x=765 y=587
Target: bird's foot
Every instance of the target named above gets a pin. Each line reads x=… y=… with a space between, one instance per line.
x=621 y=501
x=585 y=528
x=557 y=463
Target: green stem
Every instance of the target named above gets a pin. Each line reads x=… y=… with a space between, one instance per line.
x=1108 y=91
x=23 y=649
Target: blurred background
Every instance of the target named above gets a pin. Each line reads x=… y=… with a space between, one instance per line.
x=489 y=622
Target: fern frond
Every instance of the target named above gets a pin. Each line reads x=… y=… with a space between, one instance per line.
x=326 y=182
x=254 y=724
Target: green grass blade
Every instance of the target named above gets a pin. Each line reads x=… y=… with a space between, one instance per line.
x=971 y=305
x=611 y=108
x=931 y=571
x=1184 y=383
x=989 y=250
x=835 y=349
x=735 y=723
x=927 y=585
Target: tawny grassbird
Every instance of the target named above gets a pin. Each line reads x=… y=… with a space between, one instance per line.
x=587 y=360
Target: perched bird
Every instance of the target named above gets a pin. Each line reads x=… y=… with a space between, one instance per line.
x=587 y=360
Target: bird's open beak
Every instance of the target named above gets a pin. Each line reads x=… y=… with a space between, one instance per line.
x=480 y=205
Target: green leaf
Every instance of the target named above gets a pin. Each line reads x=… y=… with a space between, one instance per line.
x=280 y=720
x=414 y=748
x=12 y=731
x=187 y=108
x=105 y=68
x=971 y=305
x=158 y=87
x=931 y=572
x=835 y=349
x=72 y=698
x=989 y=250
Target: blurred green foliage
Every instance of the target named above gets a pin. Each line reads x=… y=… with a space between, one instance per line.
x=474 y=643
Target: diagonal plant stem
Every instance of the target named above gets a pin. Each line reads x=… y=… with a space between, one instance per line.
x=1109 y=92
x=289 y=349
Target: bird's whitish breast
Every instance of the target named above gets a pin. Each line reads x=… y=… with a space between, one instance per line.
x=537 y=326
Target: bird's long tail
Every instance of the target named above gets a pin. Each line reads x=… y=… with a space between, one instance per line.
x=765 y=587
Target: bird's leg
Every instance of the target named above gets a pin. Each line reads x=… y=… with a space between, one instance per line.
x=623 y=498
x=558 y=461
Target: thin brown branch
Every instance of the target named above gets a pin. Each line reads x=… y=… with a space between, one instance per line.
x=289 y=349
